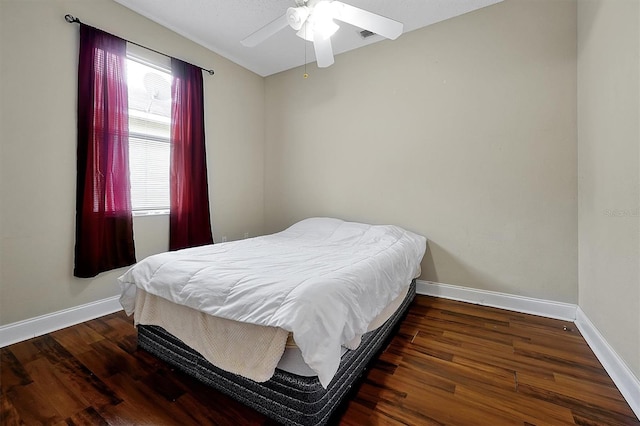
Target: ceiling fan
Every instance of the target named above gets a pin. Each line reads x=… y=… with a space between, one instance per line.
x=314 y=21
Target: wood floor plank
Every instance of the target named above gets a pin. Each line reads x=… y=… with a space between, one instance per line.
x=578 y=396
x=514 y=403
x=388 y=413
x=512 y=360
x=25 y=351
x=104 y=359
x=76 y=339
x=9 y=416
x=455 y=308
x=427 y=380
x=477 y=340
x=436 y=405
x=58 y=369
x=562 y=356
x=81 y=381
x=54 y=389
x=456 y=374
x=12 y=373
x=450 y=363
x=129 y=413
x=606 y=391
x=88 y=416
x=144 y=404
x=360 y=414
x=372 y=392
x=32 y=406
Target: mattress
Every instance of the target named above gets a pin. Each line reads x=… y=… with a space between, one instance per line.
x=287 y=398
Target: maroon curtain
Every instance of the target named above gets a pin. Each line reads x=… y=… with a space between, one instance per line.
x=104 y=225
x=189 y=219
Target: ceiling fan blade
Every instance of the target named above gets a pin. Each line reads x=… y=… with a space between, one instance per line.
x=323 y=49
x=265 y=32
x=366 y=20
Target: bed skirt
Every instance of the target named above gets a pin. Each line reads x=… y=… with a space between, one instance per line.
x=288 y=398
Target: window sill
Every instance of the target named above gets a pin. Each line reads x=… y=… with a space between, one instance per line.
x=137 y=213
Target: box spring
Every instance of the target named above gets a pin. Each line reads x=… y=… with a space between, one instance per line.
x=288 y=398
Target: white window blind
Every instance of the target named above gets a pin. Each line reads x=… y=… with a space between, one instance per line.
x=149 y=135
x=149 y=173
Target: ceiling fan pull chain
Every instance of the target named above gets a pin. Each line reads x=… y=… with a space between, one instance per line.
x=304 y=41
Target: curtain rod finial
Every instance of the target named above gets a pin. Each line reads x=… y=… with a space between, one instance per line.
x=211 y=72
x=71 y=19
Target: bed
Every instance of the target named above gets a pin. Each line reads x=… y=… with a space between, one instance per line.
x=284 y=323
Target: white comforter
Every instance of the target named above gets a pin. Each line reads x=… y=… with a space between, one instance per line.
x=322 y=279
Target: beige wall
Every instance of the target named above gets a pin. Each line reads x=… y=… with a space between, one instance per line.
x=609 y=171
x=39 y=53
x=464 y=131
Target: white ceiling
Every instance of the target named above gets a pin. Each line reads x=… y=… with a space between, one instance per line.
x=219 y=25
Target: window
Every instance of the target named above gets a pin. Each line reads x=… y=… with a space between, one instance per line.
x=149 y=87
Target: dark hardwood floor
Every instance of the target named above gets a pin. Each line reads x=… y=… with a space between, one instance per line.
x=450 y=364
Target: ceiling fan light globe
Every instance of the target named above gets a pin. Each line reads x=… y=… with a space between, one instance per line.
x=296 y=16
x=321 y=20
x=325 y=28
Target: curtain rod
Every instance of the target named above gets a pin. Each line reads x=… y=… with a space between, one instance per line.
x=72 y=19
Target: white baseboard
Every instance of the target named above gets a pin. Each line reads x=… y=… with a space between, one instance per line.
x=628 y=384
x=33 y=327
x=527 y=305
